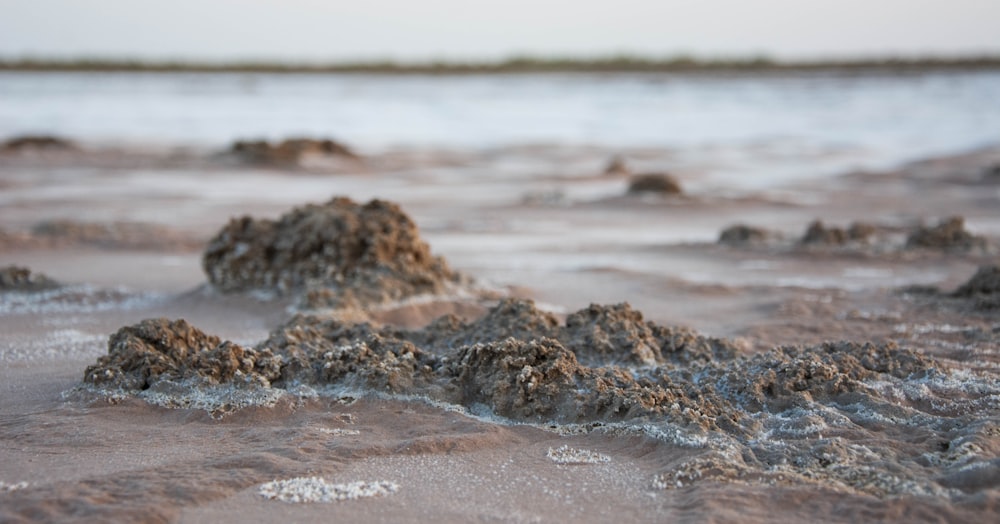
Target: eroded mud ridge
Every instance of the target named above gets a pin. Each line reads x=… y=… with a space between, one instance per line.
x=336 y=254
x=871 y=418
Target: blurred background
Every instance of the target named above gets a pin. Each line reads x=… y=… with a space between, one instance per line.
x=701 y=79
x=507 y=129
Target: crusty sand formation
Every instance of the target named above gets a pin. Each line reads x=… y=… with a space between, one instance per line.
x=799 y=414
x=948 y=235
x=336 y=254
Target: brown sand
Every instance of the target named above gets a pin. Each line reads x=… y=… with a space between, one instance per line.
x=903 y=428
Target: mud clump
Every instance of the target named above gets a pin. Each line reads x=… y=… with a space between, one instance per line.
x=789 y=377
x=744 y=235
x=289 y=152
x=983 y=288
x=18 y=278
x=949 y=235
x=335 y=254
x=618 y=334
x=540 y=381
x=819 y=234
x=37 y=143
x=159 y=349
x=655 y=183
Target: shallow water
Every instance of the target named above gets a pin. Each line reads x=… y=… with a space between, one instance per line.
x=733 y=129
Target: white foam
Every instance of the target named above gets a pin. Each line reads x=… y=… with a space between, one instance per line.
x=567 y=455
x=315 y=489
x=55 y=344
x=339 y=432
x=7 y=488
x=75 y=299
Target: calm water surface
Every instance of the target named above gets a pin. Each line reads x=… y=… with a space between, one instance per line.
x=753 y=130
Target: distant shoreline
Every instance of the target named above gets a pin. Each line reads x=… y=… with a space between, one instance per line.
x=618 y=64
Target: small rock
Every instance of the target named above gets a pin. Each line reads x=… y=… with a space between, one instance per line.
x=17 y=278
x=288 y=152
x=743 y=235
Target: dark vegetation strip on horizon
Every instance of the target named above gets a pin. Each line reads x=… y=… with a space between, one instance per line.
x=614 y=64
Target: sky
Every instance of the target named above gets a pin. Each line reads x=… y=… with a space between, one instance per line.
x=418 y=30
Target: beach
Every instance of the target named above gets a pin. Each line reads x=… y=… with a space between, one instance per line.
x=545 y=340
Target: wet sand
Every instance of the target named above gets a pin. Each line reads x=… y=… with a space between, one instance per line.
x=563 y=236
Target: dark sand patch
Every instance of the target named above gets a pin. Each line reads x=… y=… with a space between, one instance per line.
x=948 y=235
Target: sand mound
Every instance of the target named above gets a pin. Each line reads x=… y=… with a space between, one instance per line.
x=949 y=235
x=336 y=254
x=603 y=335
x=289 y=152
x=17 y=278
x=659 y=183
x=37 y=142
x=744 y=235
x=818 y=234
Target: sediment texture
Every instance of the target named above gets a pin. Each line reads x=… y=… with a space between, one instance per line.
x=844 y=414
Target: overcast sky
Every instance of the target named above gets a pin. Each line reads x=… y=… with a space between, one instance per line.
x=321 y=30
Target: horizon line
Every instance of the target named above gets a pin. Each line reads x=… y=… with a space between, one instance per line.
x=611 y=63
